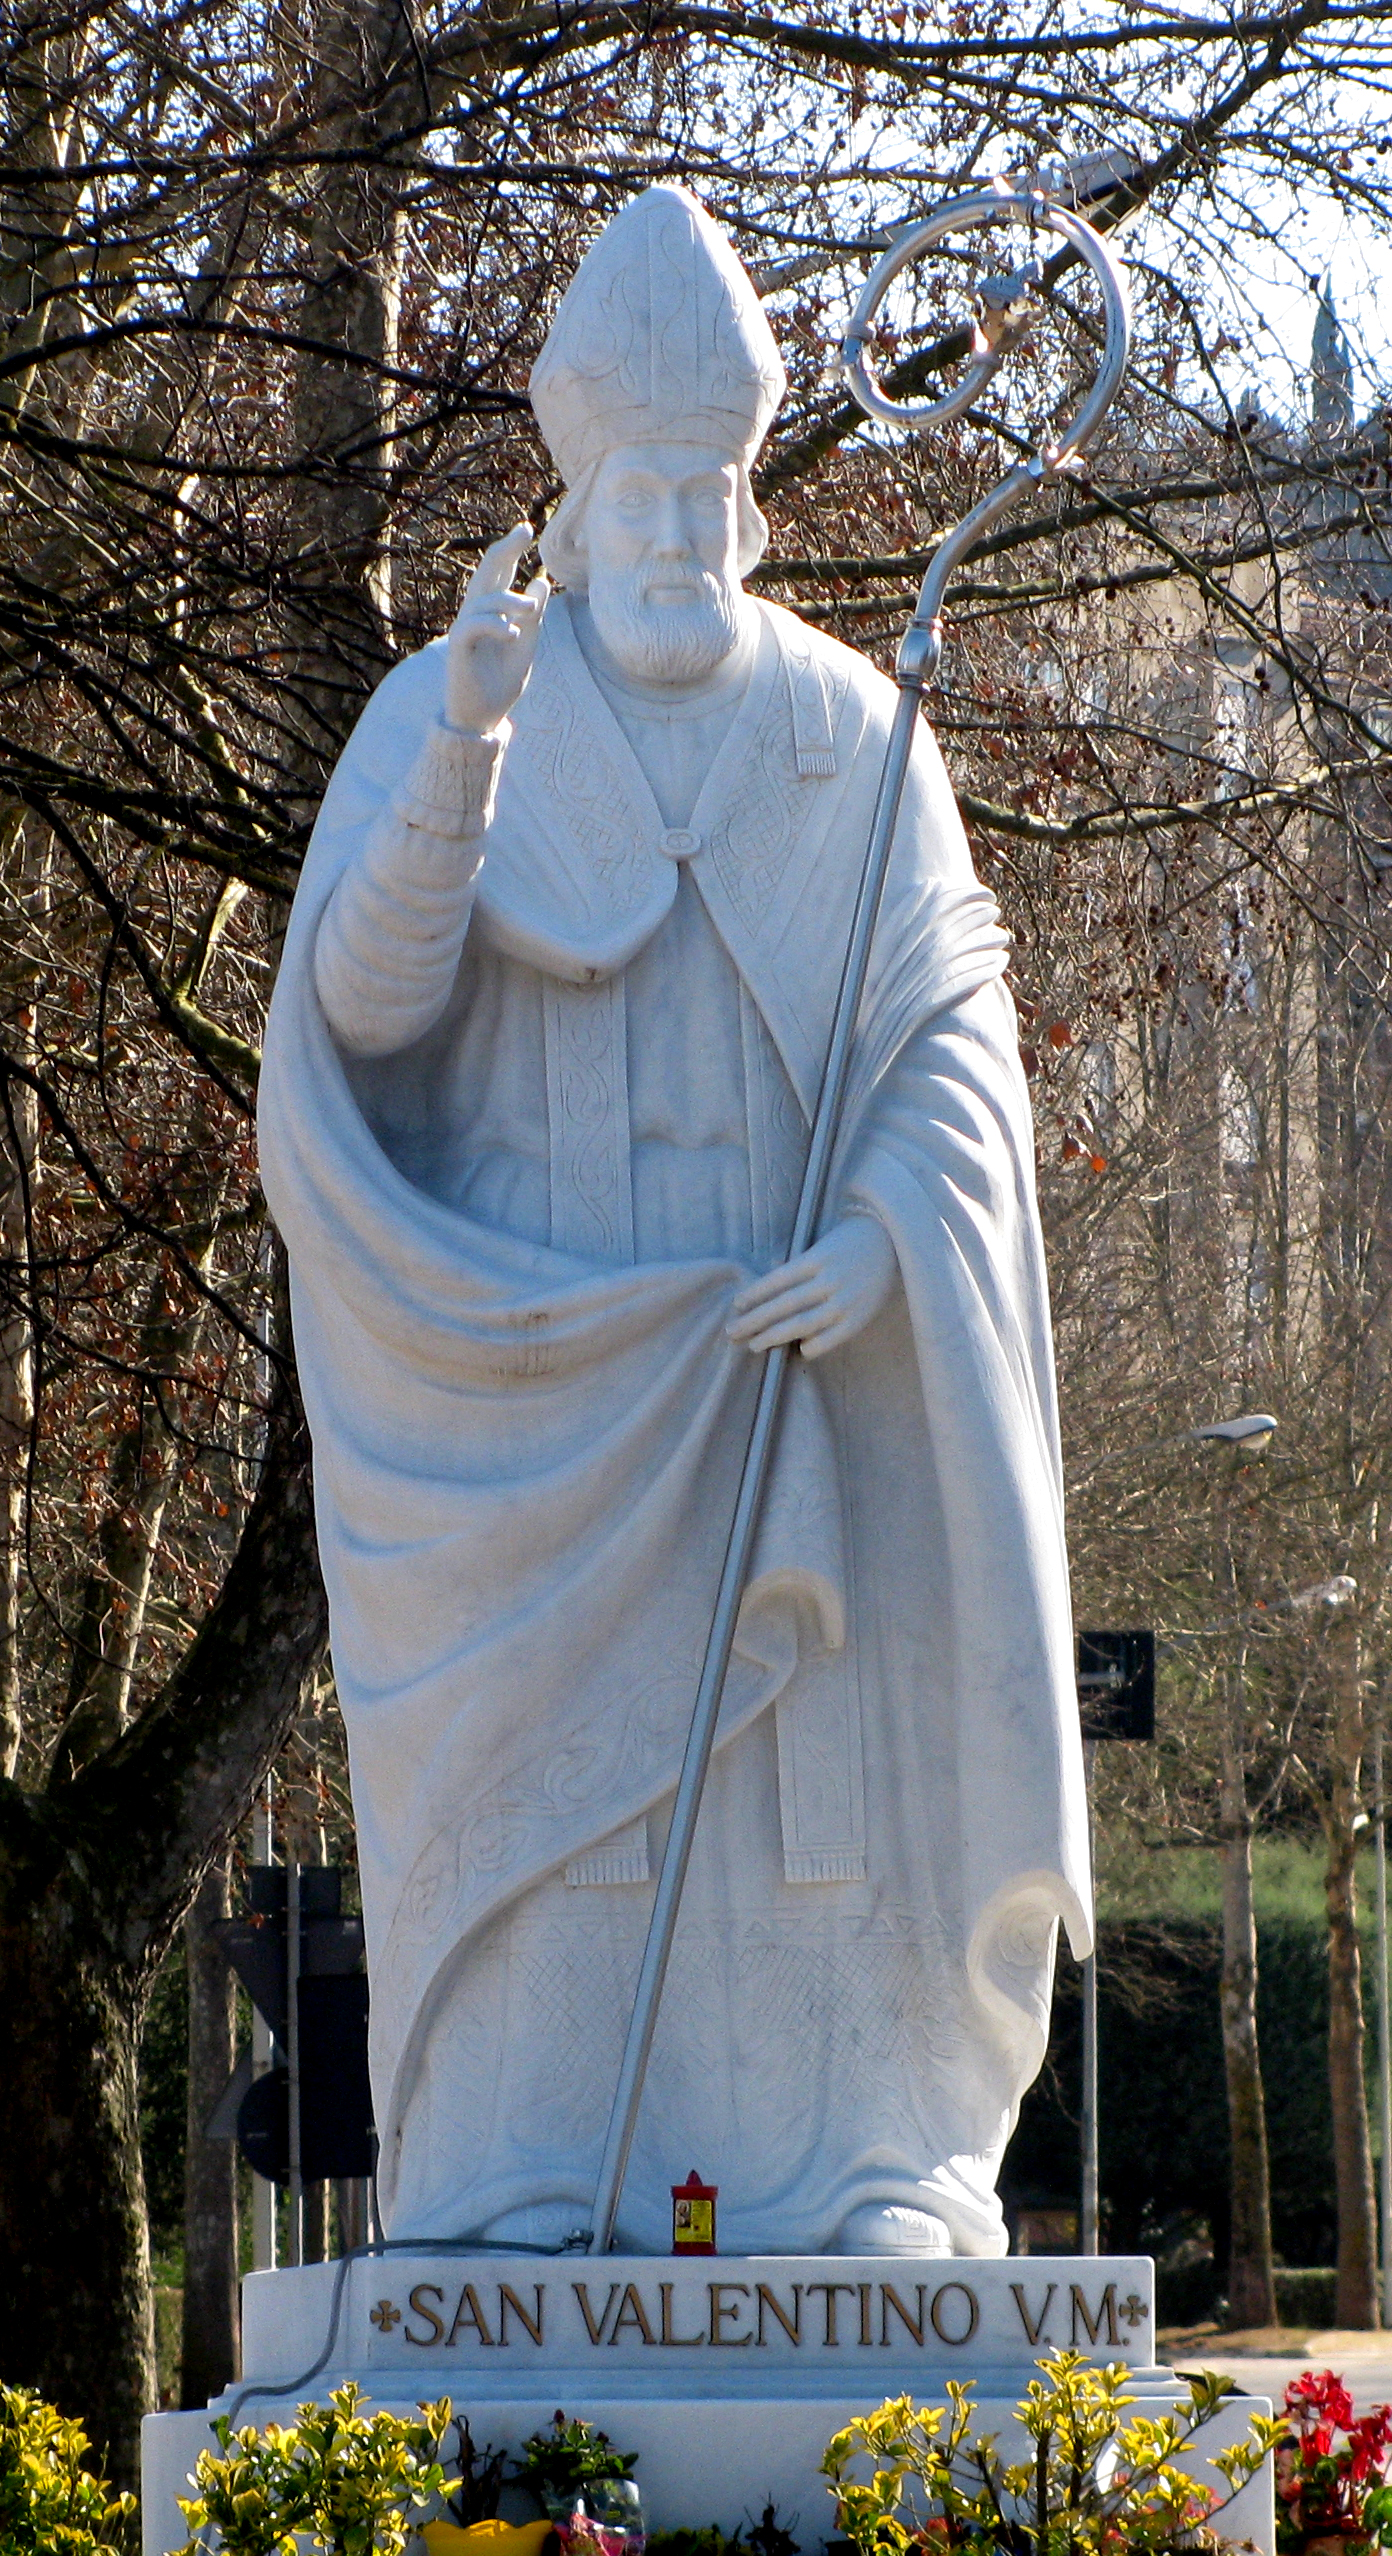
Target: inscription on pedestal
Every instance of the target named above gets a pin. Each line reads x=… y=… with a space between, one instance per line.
x=574 y=2310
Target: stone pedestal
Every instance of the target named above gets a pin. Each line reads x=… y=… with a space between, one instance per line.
x=726 y=2374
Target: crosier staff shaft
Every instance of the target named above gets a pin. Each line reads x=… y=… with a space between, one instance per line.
x=919 y=653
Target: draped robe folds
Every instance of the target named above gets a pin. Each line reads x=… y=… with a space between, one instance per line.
x=527 y=1441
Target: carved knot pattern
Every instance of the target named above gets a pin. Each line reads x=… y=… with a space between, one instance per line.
x=586 y=791
x=751 y=843
x=820 y=2006
x=587 y=1086
x=604 y=1759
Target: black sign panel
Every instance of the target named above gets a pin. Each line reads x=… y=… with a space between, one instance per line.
x=335 y=2097
x=321 y=1890
x=255 y=1946
x=335 y=2100
x=263 y=2126
x=1116 y=1685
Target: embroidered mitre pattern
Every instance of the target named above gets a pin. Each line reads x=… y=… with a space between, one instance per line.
x=660 y=337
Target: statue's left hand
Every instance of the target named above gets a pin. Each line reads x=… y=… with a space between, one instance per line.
x=824 y=1298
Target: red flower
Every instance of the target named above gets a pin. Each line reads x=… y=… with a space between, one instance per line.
x=1320 y=2393
x=1323 y=2482
x=1369 y=2441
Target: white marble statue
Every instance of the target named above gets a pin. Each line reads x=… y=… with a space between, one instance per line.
x=539 y=1073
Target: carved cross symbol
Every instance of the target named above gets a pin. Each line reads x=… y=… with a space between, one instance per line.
x=385 y=2315
x=1134 y=2310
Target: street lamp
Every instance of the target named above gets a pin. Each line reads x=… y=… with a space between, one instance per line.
x=1250 y=1434
x=1331 y=1593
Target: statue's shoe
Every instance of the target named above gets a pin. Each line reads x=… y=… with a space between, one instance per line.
x=887 y=2227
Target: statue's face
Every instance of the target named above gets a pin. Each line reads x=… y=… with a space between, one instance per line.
x=660 y=537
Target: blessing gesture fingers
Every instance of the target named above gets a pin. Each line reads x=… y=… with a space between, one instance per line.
x=493 y=638
x=822 y=1299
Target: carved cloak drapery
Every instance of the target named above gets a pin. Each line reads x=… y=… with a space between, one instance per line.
x=525 y=1454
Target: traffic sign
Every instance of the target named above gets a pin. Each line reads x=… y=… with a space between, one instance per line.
x=1116 y=1685
x=336 y=2135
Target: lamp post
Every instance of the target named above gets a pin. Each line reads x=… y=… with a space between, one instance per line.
x=1251 y=2279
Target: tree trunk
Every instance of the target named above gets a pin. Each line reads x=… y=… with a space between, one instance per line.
x=75 y=2303
x=1251 y=2283
x=128 y=1833
x=314 y=2242
x=350 y=2213
x=366 y=81
x=37 y=224
x=210 y=2322
x=95 y=1876
x=19 y=1163
x=143 y=1466
x=1357 y=2301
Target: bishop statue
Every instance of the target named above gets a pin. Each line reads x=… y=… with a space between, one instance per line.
x=540 y=1070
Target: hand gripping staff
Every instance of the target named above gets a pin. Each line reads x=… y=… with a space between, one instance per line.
x=999 y=327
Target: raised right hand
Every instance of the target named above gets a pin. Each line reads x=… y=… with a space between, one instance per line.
x=493 y=638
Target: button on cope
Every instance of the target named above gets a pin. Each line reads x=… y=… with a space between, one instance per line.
x=678 y=842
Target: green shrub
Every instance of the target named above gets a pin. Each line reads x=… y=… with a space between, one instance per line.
x=346 y=2482
x=1306 y=2297
x=1164 y=2130
x=1187 y=2292
x=1095 y=2481
x=50 y=2503
x=764 y=2537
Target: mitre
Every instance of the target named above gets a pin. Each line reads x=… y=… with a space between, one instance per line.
x=660 y=338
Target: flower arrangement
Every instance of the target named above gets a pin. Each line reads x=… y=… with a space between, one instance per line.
x=561 y=2462
x=1332 y=2484
x=586 y=2488
x=1096 y=2481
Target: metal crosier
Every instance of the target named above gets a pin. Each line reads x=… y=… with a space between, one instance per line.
x=917 y=660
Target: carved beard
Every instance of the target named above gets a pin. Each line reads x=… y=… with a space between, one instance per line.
x=666 y=642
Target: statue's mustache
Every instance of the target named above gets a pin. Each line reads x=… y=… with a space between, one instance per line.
x=697 y=583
